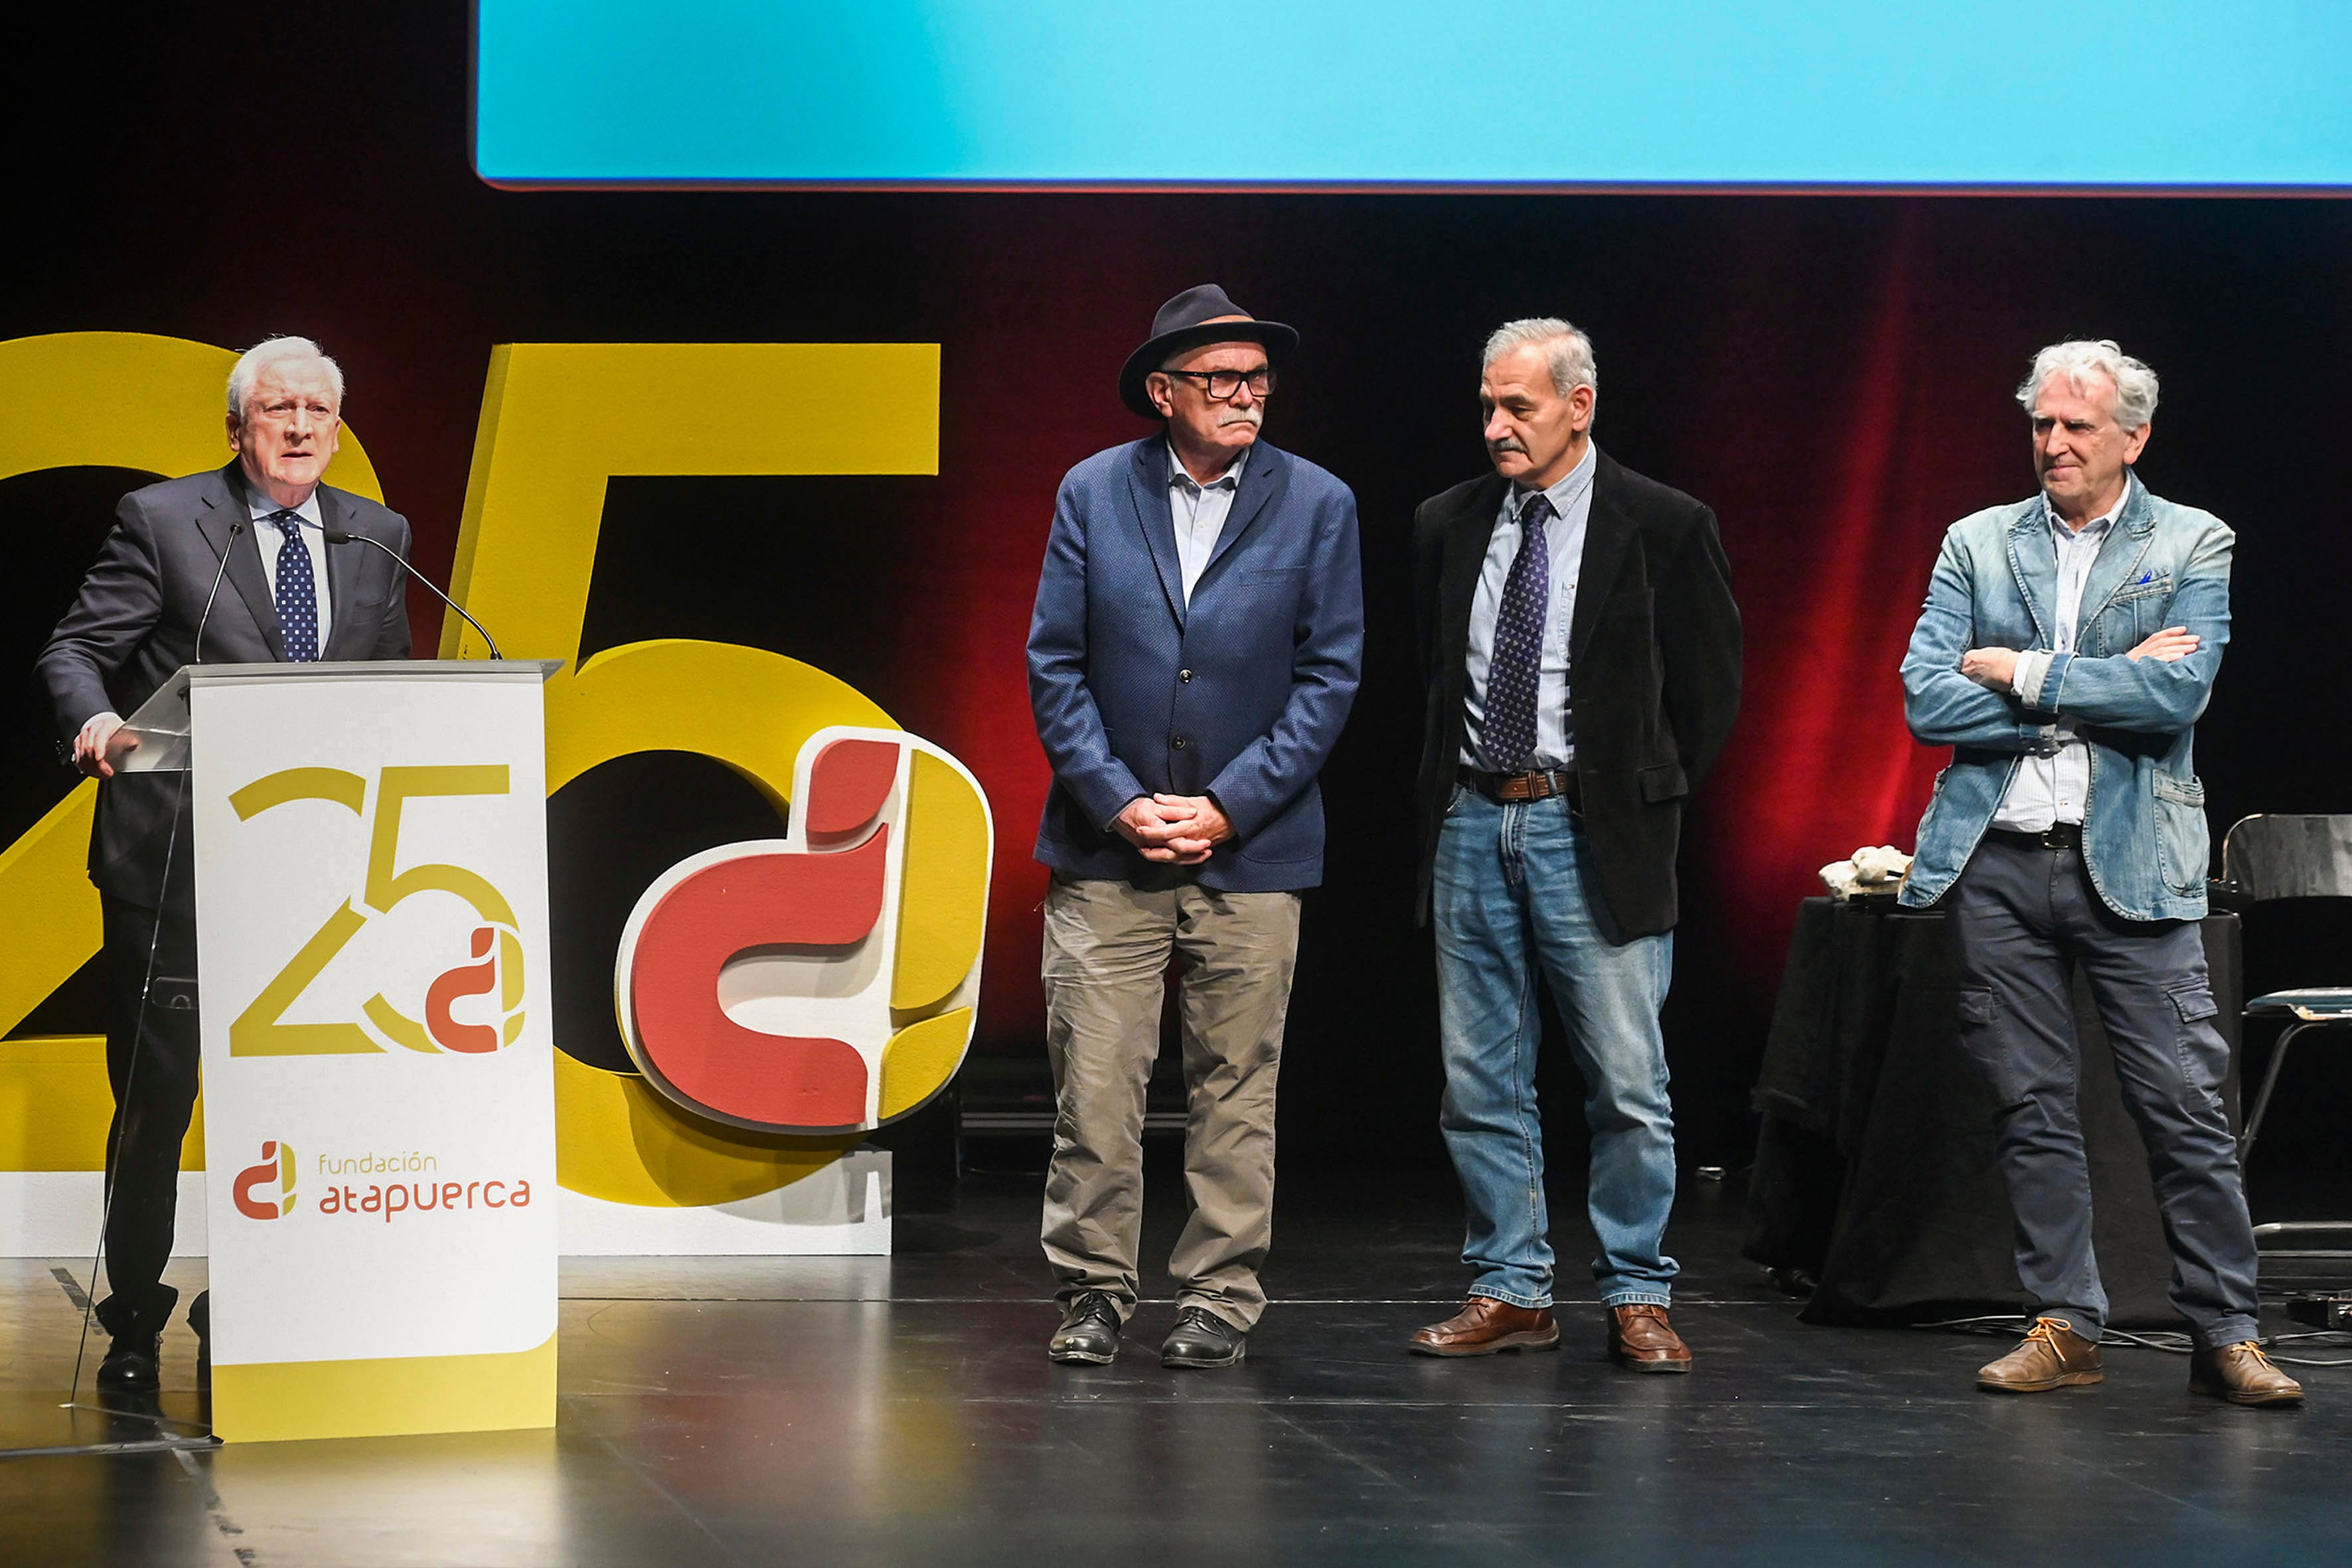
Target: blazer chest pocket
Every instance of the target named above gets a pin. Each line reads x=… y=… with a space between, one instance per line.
x=2136 y=611
x=2151 y=586
x=1264 y=592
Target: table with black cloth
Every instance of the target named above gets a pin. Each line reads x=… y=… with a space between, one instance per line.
x=1874 y=1166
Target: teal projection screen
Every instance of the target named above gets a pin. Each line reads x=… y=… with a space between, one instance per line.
x=1339 y=94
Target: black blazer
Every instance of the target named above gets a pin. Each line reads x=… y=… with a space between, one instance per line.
x=1654 y=672
x=134 y=621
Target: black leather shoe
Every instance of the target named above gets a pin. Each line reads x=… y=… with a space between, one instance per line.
x=1089 y=1330
x=200 y=1318
x=1201 y=1338
x=131 y=1364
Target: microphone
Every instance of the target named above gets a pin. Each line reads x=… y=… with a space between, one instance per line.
x=344 y=536
x=233 y=530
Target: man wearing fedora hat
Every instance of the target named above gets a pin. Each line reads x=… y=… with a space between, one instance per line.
x=1196 y=643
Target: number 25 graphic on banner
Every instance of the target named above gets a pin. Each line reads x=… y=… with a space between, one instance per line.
x=257 y=1032
x=558 y=421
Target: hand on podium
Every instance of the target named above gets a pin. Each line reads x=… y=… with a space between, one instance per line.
x=102 y=744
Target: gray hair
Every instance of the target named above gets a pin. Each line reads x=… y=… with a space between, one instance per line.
x=272 y=352
x=2077 y=360
x=1567 y=350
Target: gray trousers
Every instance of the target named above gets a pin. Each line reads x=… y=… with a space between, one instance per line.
x=1108 y=946
x=2023 y=918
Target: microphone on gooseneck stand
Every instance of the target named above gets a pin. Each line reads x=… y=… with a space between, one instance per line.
x=222 y=570
x=344 y=536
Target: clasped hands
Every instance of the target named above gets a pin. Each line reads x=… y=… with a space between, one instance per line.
x=1178 y=830
x=1996 y=668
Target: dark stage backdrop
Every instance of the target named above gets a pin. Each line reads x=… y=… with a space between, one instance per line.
x=1832 y=374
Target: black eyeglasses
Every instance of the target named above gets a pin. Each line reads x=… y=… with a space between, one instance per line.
x=1221 y=384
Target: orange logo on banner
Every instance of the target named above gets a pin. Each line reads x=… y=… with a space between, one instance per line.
x=881 y=815
x=496 y=949
x=277 y=1168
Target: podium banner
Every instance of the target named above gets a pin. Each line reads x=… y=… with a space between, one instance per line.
x=372 y=925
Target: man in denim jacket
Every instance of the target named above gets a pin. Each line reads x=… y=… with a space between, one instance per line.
x=2067 y=647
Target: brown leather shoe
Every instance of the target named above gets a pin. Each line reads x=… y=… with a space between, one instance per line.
x=1640 y=1339
x=1485 y=1326
x=2242 y=1375
x=2052 y=1355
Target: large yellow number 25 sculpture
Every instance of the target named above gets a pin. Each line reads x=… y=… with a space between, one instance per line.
x=558 y=421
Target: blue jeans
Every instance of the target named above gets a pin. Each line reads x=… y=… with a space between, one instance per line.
x=1509 y=898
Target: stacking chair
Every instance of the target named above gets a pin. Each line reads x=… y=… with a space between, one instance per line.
x=2265 y=858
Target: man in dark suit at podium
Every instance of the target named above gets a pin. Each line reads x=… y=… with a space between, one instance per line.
x=231 y=567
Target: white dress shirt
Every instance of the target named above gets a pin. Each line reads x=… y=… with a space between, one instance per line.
x=2055 y=789
x=1199 y=511
x=267 y=538
x=1571 y=510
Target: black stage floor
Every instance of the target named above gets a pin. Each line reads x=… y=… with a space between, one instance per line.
x=902 y=1411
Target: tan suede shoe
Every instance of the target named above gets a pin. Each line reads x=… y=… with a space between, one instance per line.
x=1485 y=1326
x=2052 y=1355
x=1642 y=1339
x=2242 y=1375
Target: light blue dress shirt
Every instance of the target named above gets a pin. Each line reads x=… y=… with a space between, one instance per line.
x=267 y=538
x=2055 y=788
x=1199 y=511
x=1571 y=507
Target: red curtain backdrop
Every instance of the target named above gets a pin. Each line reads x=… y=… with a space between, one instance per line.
x=1833 y=375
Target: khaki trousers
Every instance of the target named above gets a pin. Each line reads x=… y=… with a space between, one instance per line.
x=1107 y=945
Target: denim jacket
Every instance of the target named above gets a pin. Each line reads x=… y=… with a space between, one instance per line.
x=2144 y=833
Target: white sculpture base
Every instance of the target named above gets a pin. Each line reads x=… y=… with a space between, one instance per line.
x=843 y=1210
x=57 y=1214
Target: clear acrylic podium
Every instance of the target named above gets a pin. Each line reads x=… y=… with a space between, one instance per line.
x=370 y=863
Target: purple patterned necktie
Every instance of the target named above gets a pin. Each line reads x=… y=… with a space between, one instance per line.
x=298 y=591
x=1508 y=734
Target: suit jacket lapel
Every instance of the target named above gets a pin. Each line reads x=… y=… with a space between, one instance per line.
x=1263 y=480
x=1468 y=534
x=2119 y=558
x=344 y=565
x=1608 y=531
x=1147 y=483
x=2033 y=563
x=225 y=506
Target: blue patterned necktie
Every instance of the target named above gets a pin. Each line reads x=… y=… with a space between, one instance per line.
x=298 y=589
x=1508 y=733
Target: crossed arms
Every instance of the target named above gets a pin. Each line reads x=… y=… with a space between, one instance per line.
x=1955 y=693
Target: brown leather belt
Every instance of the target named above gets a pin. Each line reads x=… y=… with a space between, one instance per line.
x=2057 y=836
x=1516 y=789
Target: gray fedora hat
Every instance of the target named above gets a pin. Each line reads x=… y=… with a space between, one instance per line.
x=1202 y=314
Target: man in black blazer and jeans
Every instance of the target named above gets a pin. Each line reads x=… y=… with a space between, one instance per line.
x=1581 y=651
x=247 y=543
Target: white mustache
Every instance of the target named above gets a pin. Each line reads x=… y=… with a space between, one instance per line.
x=1508 y=443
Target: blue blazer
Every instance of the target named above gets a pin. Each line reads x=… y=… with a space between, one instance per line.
x=1996 y=581
x=1239 y=697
